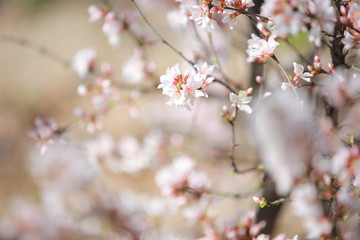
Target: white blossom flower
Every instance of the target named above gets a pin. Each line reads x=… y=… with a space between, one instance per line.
x=180 y=174
x=84 y=61
x=230 y=18
x=324 y=19
x=240 y=4
x=112 y=28
x=241 y=101
x=184 y=88
x=349 y=41
x=202 y=16
x=307 y=206
x=285 y=148
x=260 y=49
x=299 y=72
x=95 y=13
x=136 y=67
x=285 y=86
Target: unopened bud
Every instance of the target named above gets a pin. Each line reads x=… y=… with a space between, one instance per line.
x=343 y=10
x=331 y=68
x=249 y=91
x=267 y=94
x=259 y=79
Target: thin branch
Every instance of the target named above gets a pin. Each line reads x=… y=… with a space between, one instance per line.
x=37 y=48
x=225 y=85
x=247 y=13
x=220 y=194
x=192 y=63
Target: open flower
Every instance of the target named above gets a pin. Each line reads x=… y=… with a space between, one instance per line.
x=241 y=101
x=95 y=13
x=260 y=49
x=184 y=88
x=203 y=16
x=84 y=61
x=299 y=73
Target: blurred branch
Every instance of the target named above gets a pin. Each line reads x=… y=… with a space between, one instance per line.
x=37 y=48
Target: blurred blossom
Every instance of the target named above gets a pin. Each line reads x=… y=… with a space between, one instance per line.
x=284 y=133
x=341 y=86
x=136 y=68
x=112 y=28
x=307 y=206
x=200 y=211
x=46 y=133
x=173 y=180
x=95 y=13
x=83 y=62
x=127 y=155
x=291 y=17
x=62 y=165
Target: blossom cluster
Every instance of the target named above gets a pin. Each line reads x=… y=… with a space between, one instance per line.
x=184 y=88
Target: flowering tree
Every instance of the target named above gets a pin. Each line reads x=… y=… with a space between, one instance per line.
x=291 y=123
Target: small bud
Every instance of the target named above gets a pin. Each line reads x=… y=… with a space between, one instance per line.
x=266 y=95
x=331 y=68
x=249 y=91
x=343 y=10
x=82 y=90
x=259 y=79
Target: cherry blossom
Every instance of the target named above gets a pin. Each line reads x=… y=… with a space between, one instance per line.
x=184 y=88
x=136 y=68
x=260 y=49
x=299 y=73
x=241 y=101
x=95 y=13
x=175 y=178
x=83 y=62
x=230 y=18
x=285 y=154
x=307 y=206
x=112 y=28
x=240 y=4
x=46 y=133
x=324 y=14
x=203 y=16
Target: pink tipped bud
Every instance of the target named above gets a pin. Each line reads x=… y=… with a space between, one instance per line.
x=343 y=10
x=259 y=79
x=266 y=95
x=249 y=91
x=316 y=59
x=331 y=68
